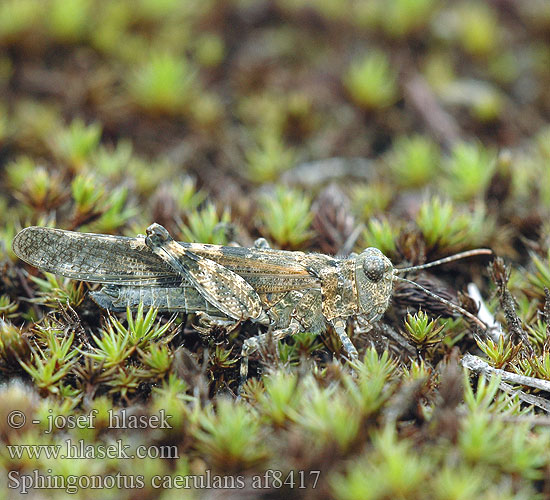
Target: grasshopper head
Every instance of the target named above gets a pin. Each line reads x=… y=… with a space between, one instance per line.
x=374 y=280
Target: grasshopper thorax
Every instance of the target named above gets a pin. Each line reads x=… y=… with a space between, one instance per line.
x=374 y=281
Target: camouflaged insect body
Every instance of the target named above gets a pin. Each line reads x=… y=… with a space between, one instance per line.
x=287 y=291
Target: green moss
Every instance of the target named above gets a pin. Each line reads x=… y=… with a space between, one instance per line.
x=53 y=290
x=115 y=213
x=422 y=330
x=539 y=275
x=18 y=17
x=8 y=307
x=48 y=370
x=210 y=50
x=110 y=31
x=469 y=169
x=68 y=21
x=414 y=161
x=392 y=469
x=479 y=29
x=400 y=18
x=112 y=161
x=380 y=234
x=158 y=358
x=75 y=144
x=499 y=353
x=280 y=399
x=231 y=438
x=444 y=226
x=452 y=483
x=268 y=159
x=373 y=386
x=371 y=199
x=13 y=345
x=34 y=184
x=286 y=217
x=205 y=226
x=327 y=417
x=163 y=84
x=186 y=194
x=118 y=342
x=371 y=81
x=87 y=193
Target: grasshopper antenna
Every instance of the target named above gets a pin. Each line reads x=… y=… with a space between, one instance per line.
x=455 y=307
x=452 y=258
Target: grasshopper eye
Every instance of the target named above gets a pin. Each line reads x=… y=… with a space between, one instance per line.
x=374 y=268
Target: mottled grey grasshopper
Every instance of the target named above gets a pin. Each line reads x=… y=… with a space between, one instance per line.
x=286 y=291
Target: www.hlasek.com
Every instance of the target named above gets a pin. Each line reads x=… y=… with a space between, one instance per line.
x=79 y=449
x=270 y=479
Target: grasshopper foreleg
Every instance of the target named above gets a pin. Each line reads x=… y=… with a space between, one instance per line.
x=340 y=328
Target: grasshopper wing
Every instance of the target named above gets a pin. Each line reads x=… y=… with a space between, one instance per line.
x=92 y=257
x=177 y=299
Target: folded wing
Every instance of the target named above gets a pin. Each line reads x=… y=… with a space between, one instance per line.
x=98 y=258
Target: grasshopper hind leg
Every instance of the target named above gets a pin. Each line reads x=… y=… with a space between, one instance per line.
x=206 y=323
x=252 y=344
x=296 y=312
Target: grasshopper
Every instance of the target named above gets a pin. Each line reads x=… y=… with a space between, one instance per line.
x=287 y=292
